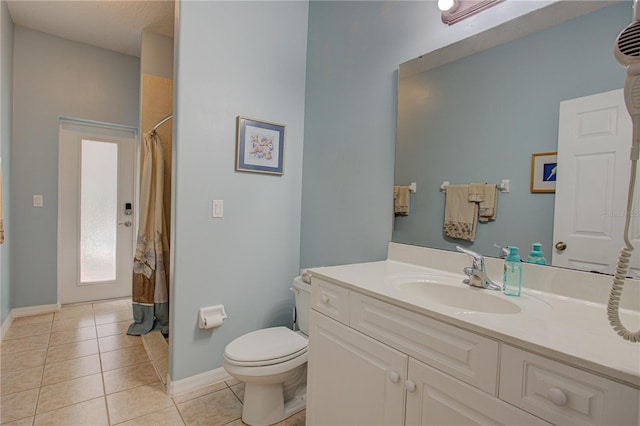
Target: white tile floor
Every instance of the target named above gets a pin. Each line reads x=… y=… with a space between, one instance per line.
x=78 y=367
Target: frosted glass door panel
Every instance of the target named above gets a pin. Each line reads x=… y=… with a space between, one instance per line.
x=98 y=211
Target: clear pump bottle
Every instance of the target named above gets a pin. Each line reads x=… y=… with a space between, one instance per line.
x=512 y=273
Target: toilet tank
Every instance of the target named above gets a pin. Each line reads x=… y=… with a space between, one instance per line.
x=302 y=293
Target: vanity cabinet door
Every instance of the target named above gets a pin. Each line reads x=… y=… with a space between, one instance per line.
x=434 y=398
x=352 y=379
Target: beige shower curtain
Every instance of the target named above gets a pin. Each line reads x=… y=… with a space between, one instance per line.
x=151 y=263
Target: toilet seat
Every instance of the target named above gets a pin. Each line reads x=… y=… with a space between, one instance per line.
x=265 y=347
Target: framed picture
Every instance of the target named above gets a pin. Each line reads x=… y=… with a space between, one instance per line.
x=544 y=170
x=260 y=146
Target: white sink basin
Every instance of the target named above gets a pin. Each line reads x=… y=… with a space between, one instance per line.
x=450 y=291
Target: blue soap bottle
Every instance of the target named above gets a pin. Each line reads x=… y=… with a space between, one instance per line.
x=512 y=273
x=536 y=256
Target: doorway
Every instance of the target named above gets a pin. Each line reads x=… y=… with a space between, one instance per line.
x=96 y=216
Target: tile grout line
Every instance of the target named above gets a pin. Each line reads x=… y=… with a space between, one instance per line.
x=44 y=365
x=104 y=386
x=175 y=404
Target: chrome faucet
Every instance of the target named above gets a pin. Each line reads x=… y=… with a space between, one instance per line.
x=476 y=272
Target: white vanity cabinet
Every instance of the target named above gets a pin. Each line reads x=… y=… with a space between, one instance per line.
x=372 y=362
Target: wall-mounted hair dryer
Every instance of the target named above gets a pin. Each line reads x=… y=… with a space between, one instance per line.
x=627 y=52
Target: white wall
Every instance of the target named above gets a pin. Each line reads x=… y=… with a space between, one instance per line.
x=234 y=58
x=54 y=77
x=6 y=93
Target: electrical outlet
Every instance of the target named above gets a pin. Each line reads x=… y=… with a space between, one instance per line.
x=38 y=201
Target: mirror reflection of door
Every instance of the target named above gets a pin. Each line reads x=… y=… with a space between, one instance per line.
x=594 y=141
x=96 y=185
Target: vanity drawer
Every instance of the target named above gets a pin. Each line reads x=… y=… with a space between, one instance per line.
x=330 y=299
x=564 y=395
x=464 y=355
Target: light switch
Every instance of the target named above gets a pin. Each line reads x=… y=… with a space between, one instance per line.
x=218 y=208
x=38 y=201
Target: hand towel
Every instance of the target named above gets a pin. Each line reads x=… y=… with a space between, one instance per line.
x=401 y=200
x=476 y=192
x=488 y=207
x=460 y=214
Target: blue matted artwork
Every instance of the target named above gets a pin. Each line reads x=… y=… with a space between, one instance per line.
x=544 y=171
x=260 y=146
x=549 y=172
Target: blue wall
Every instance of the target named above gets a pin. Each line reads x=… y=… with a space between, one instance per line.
x=6 y=94
x=486 y=114
x=234 y=58
x=54 y=77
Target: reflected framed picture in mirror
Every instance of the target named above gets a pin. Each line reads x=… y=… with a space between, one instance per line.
x=544 y=171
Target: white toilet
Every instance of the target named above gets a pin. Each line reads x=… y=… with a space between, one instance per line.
x=272 y=363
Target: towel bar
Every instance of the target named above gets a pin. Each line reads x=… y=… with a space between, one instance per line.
x=412 y=187
x=503 y=186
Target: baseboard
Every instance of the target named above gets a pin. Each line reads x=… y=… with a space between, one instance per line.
x=34 y=310
x=5 y=325
x=198 y=381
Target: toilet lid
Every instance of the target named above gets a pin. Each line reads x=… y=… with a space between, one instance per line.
x=265 y=345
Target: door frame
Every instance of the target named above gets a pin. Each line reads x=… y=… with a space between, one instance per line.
x=99 y=125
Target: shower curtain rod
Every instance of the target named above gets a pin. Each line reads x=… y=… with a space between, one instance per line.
x=161 y=122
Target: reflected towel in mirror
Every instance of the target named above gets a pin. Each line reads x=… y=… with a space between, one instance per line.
x=401 y=200
x=488 y=206
x=460 y=214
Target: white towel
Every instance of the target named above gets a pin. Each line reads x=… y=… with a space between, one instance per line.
x=488 y=206
x=476 y=192
x=401 y=200
x=460 y=214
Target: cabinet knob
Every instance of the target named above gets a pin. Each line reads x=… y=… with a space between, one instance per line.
x=410 y=386
x=324 y=299
x=394 y=377
x=557 y=396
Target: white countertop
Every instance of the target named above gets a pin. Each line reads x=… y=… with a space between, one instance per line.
x=567 y=329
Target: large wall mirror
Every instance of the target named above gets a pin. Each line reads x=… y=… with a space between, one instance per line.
x=481 y=117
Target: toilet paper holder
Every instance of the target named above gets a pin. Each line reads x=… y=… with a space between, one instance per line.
x=211 y=316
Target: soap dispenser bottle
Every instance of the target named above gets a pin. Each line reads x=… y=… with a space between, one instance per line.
x=512 y=273
x=536 y=256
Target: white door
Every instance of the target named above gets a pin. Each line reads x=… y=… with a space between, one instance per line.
x=95 y=211
x=594 y=140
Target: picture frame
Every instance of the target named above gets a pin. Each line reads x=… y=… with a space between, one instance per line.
x=260 y=146
x=544 y=171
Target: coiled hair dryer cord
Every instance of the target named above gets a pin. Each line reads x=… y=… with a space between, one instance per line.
x=613 y=307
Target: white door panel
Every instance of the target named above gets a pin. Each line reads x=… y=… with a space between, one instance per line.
x=96 y=180
x=594 y=140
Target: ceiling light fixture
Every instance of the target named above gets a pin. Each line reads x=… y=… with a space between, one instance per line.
x=457 y=10
x=448 y=5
